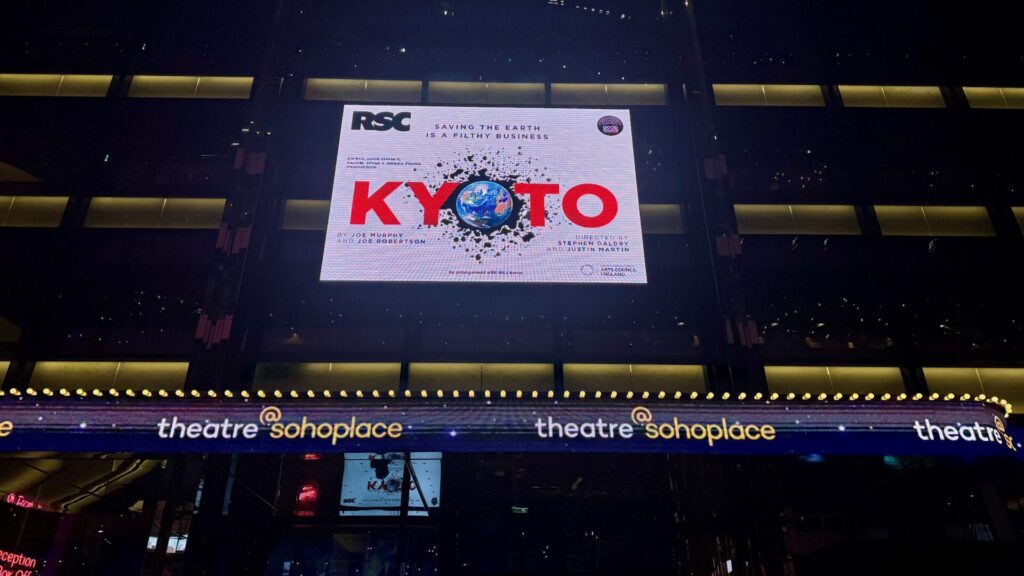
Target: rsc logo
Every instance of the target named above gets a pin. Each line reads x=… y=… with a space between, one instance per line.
x=381 y=121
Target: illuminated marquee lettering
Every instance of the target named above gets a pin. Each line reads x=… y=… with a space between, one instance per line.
x=598 y=429
x=364 y=202
x=675 y=430
x=976 y=432
x=335 y=431
x=208 y=430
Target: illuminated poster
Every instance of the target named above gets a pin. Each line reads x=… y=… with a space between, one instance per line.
x=371 y=483
x=449 y=194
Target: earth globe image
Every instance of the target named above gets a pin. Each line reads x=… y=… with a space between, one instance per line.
x=484 y=204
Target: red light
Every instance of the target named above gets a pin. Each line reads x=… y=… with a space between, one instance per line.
x=309 y=493
x=310 y=456
x=19 y=500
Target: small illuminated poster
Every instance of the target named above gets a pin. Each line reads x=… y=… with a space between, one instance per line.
x=371 y=483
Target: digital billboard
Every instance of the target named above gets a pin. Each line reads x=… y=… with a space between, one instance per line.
x=459 y=194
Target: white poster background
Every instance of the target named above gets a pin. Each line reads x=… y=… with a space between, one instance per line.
x=550 y=146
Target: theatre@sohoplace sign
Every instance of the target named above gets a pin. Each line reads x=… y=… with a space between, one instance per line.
x=643 y=419
x=505 y=425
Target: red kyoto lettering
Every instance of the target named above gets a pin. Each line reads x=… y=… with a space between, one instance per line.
x=363 y=202
x=432 y=204
x=570 y=206
x=536 y=192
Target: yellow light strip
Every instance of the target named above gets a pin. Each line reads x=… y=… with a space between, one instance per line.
x=66 y=85
x=520 y=394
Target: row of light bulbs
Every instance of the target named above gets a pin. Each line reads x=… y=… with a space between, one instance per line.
x=534 y=394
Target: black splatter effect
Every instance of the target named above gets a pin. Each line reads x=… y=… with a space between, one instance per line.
x=505 y=167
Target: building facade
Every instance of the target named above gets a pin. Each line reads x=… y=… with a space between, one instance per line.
x=817 y=377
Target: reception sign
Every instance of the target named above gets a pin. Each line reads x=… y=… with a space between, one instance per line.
x=466 y=425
